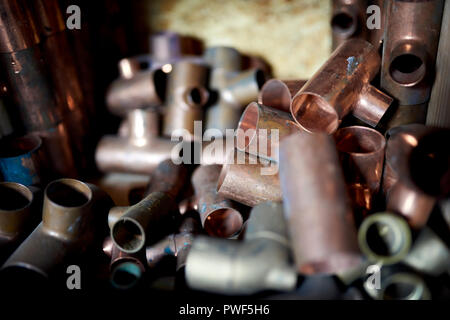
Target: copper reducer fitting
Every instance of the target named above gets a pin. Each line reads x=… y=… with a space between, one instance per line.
x=73 y=219
x=219 y=216
x=342 y=86
x=278 y=94
x=260 y=262
x=317 y=209
x=417 y=171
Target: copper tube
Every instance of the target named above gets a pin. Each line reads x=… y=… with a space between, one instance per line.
x=49 y=19
x=144 y=89
x=260 y=262
x=143 y=222
x=409 y=50
x=319 y=217
x=361 y=152
x=247 y=182
x=219 y=216
x=384 y=238
x=261 y=129
x=243 y=88
x=73 y=217
x=186 y=96
x=342 y=86
x=348 y=21
x=278 y=94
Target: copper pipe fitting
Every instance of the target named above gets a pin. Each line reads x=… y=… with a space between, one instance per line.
x=73 y=218
x=261 y=129
x=384 y=238
x=361 y=152
x=186 y=96
x=342 y=86
x=319 y=216
x=260 y=262
x=244 y=88
x=114 y=215
x=219 y=216
x=348 y=21
x=249 y=180
x=143 y=222
x=278 y=94
x=410 y=47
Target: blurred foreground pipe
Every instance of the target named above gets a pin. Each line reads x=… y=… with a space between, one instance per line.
x=249 y=180
x=316 y=207
x=342 y=86
x=144 y=222
x=73 y=218
x=260 y=262
x=278 y=94
x=219 y=216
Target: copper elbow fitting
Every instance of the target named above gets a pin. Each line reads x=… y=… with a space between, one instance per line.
x=410 y=47
x=342 y=86
x=319 y=217
x=278 y=94
x=219 y=216
x=361 y=151
x=261 y=129
x=73 y=217
x=243 y=179
x=186 y=96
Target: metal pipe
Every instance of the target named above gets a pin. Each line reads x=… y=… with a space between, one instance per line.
x=73 y=218
x=278 y=94
x=261 y=129
x=319 y=216
x=348 y=21
x=219 y=216
x=144 y=222
x=249 y=182
x=260 y=262
x=243 y=88
x=342 y=86
x=361 y=152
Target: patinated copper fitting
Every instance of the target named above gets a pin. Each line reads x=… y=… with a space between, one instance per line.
x=260 y=262
x=416 y=171
x=361 y=152
x=73 y=219
x=409 y=50
x=278 y=94
x=316 y=205
x=249 y=180
x=261 y=129
x=348 y=20
x=186 y=96
x=144 y=222
x=219 y=216
x=342 y=86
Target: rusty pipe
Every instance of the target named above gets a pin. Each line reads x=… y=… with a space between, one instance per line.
x=342 y=86
x=261 y=129
x=361 y=152
x=316 y=207
x=219 y=216
x=249 y=180
x=278 y=94
x=73 y=218
x=143 y=222
x=260 y=262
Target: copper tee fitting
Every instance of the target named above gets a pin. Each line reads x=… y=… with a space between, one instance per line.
x=342 y=86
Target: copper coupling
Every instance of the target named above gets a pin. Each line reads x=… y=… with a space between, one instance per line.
x=278 y=94
x=219 y=216
x=342 y=86
x=320 y=220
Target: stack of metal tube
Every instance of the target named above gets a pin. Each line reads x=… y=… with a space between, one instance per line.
x=327 y=188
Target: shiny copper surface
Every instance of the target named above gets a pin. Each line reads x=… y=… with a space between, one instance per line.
x=278 y=94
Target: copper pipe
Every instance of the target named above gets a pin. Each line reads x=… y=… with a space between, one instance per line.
x=186 y=96
x=219 y=216
x=409 y=51
x=260 y=262
x=278 y=94
x=73 y=217
x=342 y=86
x=319 y=217
x=361 y=152
x=114 y=215
x=348 y=20
x=247 y=182
x=143 y=222
x=261 y=129
x=243 y=88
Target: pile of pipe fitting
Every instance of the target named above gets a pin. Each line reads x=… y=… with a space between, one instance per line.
x=327 y=188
